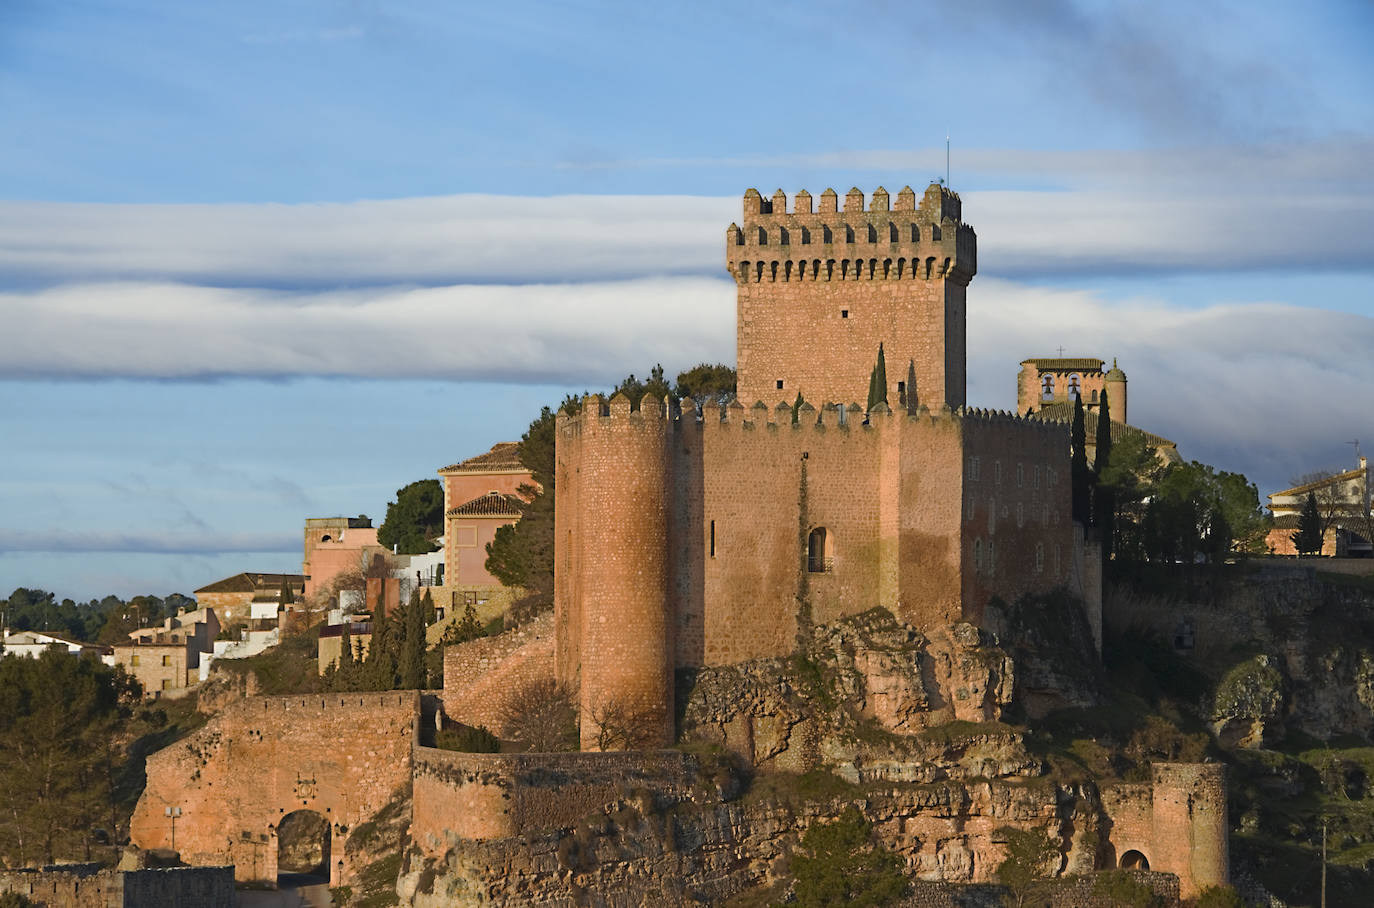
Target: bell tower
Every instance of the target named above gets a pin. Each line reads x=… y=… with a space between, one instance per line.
x=819 y=290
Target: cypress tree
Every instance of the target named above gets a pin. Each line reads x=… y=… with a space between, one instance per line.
x=1104 y=498
x=428 y=603
x=912 y=401
x=285 y=597
x=381 y=658
x=412 y=648
x=1078 y=465
x=1308 y=539
x=877 y=382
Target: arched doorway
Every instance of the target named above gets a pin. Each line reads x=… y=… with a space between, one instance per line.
x=303 y=848
x=1134 y=860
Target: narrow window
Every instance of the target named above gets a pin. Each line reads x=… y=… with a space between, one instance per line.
x=133 y=660
x=818 y=552
x=1035 y=478
x=779 y=384
x=992 y=557
x=997 y=472
x=763 y=237
x=901 y=388
x=1047 y=388
x=1039 y=558
x=978 y=556
x=1020 y=515
x=806 y=236
x=844 y=313
x=166 y=660
x=973 y=469
x=713 y=539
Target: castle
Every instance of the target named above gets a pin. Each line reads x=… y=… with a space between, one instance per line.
x=692 y=537
x=699 y=535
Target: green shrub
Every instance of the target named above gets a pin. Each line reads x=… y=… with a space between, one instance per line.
x=844 y=867
x=468 y=739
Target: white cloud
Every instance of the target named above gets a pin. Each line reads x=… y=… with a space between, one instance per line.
x=1281 y=207
x=528 y=333
x=1267 y=388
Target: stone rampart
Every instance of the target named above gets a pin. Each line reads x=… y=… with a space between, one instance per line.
x=84 y=887
x=485 y=678
x=342 y=756
x=466 y=796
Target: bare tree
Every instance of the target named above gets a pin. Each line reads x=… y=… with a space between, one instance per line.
x=619 y=726
x=1329 y=494
x=541 y=717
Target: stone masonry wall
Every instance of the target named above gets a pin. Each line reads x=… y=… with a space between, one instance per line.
x=343 y=756
x=463 y=796
x=174 y=887
x=484 y=677
x=740 y=492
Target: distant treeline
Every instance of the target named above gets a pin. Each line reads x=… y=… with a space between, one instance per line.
x=105 y=620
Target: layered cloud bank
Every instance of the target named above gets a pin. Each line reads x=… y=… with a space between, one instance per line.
x=1284 y=208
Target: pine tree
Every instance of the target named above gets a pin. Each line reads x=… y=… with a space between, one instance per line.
x=284 y=596
x=912 y=401
x=1308 y=539
x=877 y=382
x=1078 y=465
x=1104 y=496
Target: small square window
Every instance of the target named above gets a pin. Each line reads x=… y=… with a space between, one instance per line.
x=844 y=313
x=779 y=384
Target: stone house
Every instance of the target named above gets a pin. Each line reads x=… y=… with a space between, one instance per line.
x=232 y=598
x=173 y=657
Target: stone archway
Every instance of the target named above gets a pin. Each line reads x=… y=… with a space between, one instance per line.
x=1134 y=860
x=303 y=847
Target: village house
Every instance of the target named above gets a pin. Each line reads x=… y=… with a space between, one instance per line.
x=173 y=657
x=1343 y=504
x=233 y=597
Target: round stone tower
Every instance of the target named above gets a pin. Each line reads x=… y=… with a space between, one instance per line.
x=1115 y=385
x=1190 y=824
x=624 y=639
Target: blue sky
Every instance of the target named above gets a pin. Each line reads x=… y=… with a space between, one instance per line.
x=258 y=261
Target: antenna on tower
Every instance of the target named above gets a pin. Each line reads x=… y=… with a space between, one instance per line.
x=946 y=159
x=1356 y=443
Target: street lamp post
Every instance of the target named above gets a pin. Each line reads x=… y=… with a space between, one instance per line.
x=172 y=813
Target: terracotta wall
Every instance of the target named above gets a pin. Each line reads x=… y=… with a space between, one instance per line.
x=343 y=756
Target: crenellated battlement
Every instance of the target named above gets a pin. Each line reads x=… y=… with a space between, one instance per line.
x=672 y=415
x=316 y=702
x=883 y=241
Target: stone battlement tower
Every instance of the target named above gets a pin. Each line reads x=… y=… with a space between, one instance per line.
x=819 y=290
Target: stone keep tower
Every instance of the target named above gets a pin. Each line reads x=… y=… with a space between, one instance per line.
x=818 y=291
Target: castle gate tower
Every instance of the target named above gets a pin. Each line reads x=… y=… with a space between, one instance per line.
x=818 y=291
